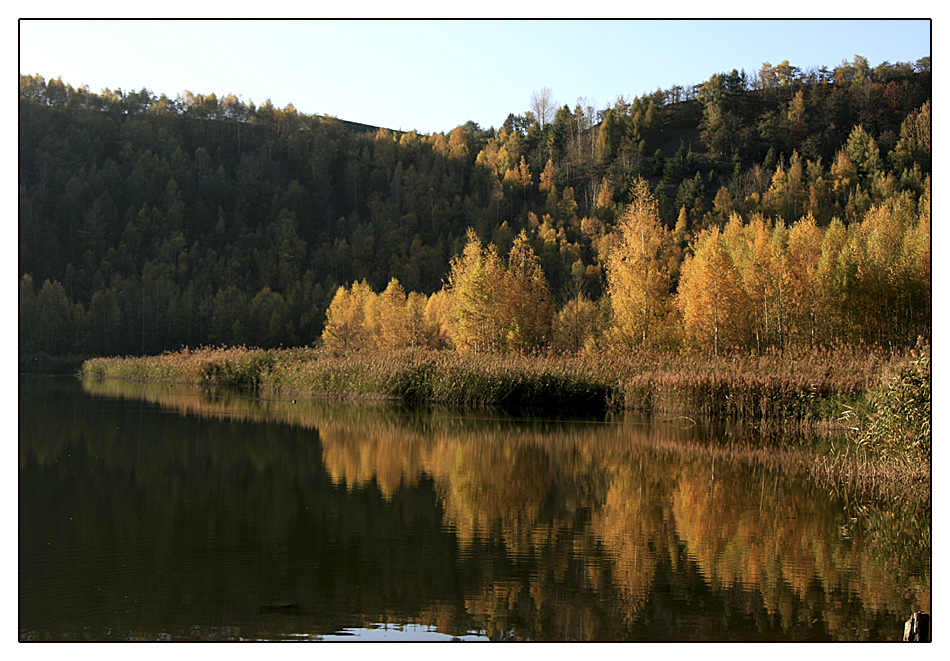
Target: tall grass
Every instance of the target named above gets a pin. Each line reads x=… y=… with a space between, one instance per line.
x=797 y=385
x=777 y=386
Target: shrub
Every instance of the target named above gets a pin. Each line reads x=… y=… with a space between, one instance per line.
x=899 y=424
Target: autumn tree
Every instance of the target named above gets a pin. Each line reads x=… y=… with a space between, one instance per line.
x=392 y=323
x=891 y=264
x=440 y=320
x=915 y=272
x=804 y=253
x=639 y=274
x=497 y=308
x=475 y=281
x=751 y=248
x=710 y=297
x=576 y=324
x=547 y=178
x=914 y=145
x=835 y=281
x=530 y=307
x=347 y=327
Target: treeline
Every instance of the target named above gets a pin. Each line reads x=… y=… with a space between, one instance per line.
x=148 y=223
x=753 y=284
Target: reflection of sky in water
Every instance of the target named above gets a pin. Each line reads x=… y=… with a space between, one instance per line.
x=404 y=633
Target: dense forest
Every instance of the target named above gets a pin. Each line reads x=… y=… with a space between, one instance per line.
x=787 y=207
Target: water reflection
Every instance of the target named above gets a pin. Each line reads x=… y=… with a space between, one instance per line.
x=152 y=511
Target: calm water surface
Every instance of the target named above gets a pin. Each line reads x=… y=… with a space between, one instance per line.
x=150 y=512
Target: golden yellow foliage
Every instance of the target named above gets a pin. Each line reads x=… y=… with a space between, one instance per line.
x=497 y=308
x=711 y=298
x=639 y=274
x=347 y=327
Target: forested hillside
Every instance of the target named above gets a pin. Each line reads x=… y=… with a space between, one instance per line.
x=765 y=210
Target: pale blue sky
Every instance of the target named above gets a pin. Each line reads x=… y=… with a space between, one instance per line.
x=434 y=75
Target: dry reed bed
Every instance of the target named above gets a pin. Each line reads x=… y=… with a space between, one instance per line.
x=775 y=386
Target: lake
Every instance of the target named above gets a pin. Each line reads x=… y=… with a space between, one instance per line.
x=157 y=512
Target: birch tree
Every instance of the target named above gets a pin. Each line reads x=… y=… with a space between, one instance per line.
x=542 y=104
x=639 y=273
x=711 y=298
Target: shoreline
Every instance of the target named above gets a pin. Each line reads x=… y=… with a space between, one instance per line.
x=821 y=391
x=787 y=387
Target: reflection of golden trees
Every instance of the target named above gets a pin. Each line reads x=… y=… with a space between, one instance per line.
x=493 y=483
x=630 y=526
x=391 y=459
x=767 y=533
x=603 y=507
